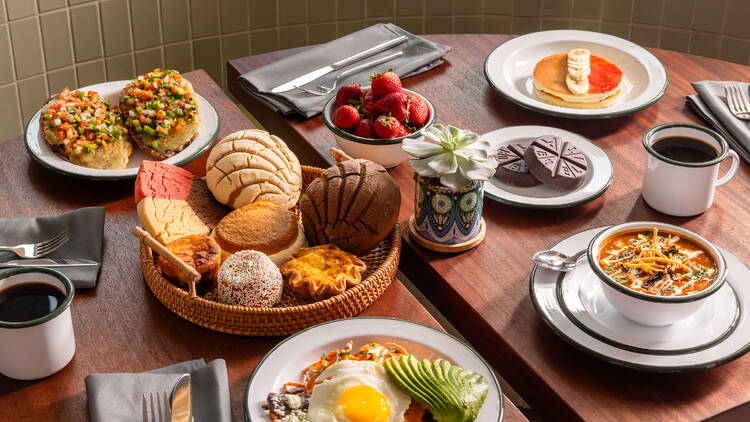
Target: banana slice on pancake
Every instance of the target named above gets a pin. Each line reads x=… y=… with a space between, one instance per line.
x=579 y=69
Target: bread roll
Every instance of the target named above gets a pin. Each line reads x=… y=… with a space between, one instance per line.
x=262 y=226
x=252 y=165
x=353 y=205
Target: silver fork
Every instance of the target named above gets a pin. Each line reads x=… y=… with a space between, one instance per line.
x=156 y=408
x=737 y=101
x=36 y=250
x=327 y=87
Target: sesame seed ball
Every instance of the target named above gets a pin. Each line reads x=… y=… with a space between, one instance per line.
x=249 y=278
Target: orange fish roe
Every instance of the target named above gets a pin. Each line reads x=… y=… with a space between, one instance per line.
x=604 y=77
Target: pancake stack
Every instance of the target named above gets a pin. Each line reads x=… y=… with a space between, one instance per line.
x=565 y=80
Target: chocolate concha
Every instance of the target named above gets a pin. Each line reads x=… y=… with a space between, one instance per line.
x=253 y=165
x=353 y=205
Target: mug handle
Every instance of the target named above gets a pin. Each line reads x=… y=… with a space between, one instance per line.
x=732 y=170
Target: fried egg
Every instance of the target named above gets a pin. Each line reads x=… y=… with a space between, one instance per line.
x=357 y=391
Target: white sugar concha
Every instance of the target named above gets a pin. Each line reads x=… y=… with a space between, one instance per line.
x=253 y=165
x=249 y=278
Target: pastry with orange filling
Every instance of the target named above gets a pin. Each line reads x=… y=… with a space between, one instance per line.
x=322 y=271
x=577 y=79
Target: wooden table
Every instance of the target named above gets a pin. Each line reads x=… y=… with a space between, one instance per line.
x=119 y=325
x=485 y=292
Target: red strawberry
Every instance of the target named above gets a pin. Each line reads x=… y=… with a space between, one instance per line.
x=393 y=104
x=349 y=94
x=387 y=127
x=385 y=83
x=346 y=117
x=363 y=129
x=417 y=109
x=368 y=104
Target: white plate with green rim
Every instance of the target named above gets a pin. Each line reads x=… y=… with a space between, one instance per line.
x=41 y=151
x=284 y=363
x=597 y=180
x=510 y=66
x=573 y=306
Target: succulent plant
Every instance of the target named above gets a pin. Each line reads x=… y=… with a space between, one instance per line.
x=458 y=157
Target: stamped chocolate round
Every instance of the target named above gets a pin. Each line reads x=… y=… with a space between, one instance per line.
x=556 y=162
x=512 y=168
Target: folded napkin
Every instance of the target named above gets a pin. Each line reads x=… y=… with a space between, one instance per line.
x=711 y=105
x=118 y=397
x=419 y=56
x=85 y=227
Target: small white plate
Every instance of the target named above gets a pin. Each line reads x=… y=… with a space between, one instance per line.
x=597 y=180
x=574 y=307
x=509 y=69
x=41 y=151
x=284 y=363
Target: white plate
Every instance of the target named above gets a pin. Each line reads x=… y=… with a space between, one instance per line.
x=41 y=151
x=510 y=66
x=573 y=307
x=597 y=180
x=284 y=362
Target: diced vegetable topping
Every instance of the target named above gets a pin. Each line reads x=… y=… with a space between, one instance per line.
x=160 y=102
x=84 y=120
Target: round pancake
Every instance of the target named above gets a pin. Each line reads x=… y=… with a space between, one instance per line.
x=604 y=83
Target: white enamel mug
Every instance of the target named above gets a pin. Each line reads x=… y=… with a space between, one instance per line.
x=679 y=188
x=40 y=347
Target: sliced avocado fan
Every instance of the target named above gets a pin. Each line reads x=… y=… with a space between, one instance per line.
x=450 y=393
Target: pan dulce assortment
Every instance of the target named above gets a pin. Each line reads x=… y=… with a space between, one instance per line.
x=250 y=231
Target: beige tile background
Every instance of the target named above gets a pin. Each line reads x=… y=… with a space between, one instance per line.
x=46 y=45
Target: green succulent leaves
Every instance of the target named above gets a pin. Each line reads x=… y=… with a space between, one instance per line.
x=458 y=157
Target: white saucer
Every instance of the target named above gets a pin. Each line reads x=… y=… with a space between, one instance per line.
x=41 y=151
x=574 y=307
x=510 y=66
x=596 y=182
x=284 y=362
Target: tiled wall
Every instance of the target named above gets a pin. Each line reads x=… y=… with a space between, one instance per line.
x=46 y=45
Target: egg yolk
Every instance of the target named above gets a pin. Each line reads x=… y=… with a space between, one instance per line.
x=363 y=403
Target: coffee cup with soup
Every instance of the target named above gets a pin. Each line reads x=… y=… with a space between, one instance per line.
x=682 y=168
x=36 y=330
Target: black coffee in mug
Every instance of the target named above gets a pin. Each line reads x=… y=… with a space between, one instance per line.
x=685 y=149
x=29 y=301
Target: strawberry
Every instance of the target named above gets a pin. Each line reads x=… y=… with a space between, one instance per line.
x=346 y=117
x=387 y=127
x=394 y=104
x=385 y=83
x=368 y=104
x=349 y=94
x=363 y=129
x=417 y=111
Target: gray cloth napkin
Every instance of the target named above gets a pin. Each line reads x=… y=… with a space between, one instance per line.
x=85 y=227
x=118 y=397
x=419 y=56
x=710 y=104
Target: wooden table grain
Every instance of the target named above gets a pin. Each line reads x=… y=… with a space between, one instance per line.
x=119 y=325
x=485 y=292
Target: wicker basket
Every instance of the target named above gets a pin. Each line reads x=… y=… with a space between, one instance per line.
x=293 y=313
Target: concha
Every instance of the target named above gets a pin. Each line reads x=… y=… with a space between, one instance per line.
x=253 y=165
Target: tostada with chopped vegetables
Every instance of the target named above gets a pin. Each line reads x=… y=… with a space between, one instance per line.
x=87 y=129
x=161 y=112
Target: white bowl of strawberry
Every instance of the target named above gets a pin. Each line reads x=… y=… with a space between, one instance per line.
x=372 y=122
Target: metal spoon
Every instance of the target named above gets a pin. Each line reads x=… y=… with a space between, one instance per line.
x=557 y=261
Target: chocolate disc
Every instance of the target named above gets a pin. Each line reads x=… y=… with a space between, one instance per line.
x=512 y=168
x=556 y=162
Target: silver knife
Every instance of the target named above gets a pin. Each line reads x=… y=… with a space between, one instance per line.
x=180 y=400
x=48 y=262
x=315 y=74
